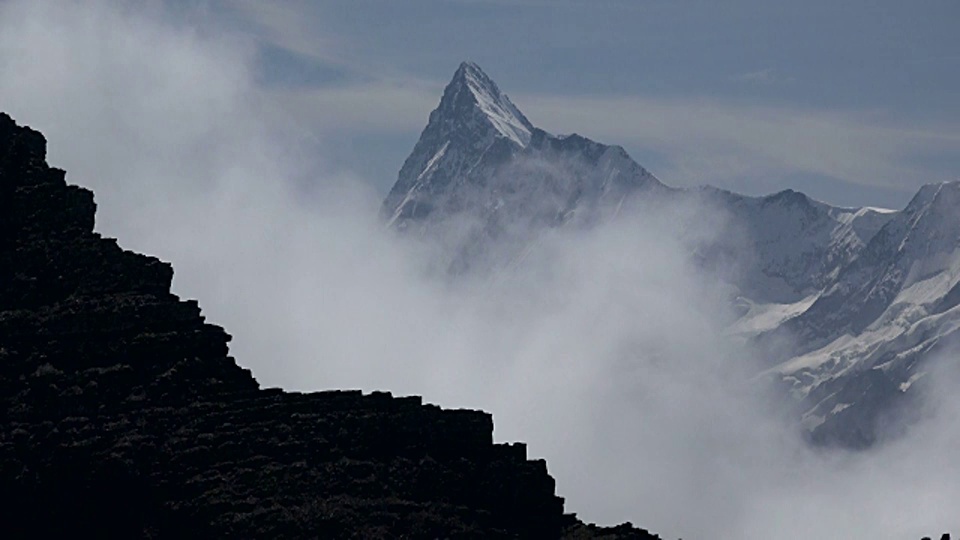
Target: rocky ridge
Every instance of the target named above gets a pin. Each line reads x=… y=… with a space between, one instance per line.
x=867 y=344
x=122 y=415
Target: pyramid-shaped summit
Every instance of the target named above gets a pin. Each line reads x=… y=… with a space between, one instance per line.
x=471 y=91
x=477 y=155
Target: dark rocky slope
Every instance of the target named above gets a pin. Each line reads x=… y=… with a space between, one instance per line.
x=122 y=415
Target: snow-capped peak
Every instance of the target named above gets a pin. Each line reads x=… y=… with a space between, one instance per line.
x=849 y=304
x=477 y=146
x=502 y=114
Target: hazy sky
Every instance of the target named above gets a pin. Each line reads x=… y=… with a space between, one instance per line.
x=251 y=147
x=853 y=102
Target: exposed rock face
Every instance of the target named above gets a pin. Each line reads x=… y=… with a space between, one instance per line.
x=899 y=298
x=122 y=415
x=486 y=181
x=851 y=308
x=786 y=245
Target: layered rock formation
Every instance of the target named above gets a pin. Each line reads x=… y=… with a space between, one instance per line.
x=122 y=415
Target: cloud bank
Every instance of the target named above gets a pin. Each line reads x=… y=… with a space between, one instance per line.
x=604 y=350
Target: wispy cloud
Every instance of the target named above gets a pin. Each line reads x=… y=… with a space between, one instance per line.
x=708 y=134
x=764 y=76
x=709 y=140
x=701 y=140
x=373 y=107
x=285 y=25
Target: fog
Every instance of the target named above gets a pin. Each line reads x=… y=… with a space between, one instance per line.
x=604 y=350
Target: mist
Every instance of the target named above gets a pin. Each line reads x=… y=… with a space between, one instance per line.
x=605 y=350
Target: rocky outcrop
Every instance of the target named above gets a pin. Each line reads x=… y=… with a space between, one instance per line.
x=122 y=415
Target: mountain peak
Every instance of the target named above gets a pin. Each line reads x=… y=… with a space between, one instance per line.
x=476 y=149
x=469 y=66
x=472 y=91
x=937 y=193
x=932 y=217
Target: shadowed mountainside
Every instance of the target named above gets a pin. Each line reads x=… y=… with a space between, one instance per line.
x=122 y=415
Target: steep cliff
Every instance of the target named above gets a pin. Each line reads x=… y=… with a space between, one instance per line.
x=122 y=415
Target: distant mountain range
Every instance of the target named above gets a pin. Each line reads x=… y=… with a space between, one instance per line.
x=849 y=305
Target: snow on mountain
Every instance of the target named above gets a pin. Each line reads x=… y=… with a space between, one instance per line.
x=497 y=107
x=914 y=245
x=873 y=330
x=849 y=304
x=487 y=180
x=788 y=246
x=472 y=119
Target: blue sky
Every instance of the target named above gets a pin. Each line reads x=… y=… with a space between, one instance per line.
x=853 y=102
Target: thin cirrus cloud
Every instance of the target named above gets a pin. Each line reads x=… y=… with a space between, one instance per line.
x=811 y=122
x=851 y=146
x=701 y=140
x=283 y=25
x=764 y=76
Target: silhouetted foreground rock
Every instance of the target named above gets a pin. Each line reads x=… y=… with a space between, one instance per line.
x=122 y=415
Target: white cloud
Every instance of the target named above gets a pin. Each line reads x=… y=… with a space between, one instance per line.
x=604 y=351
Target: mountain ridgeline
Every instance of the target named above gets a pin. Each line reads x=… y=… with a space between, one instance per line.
x=122 y=415
x=485 y=179
x=852 y=307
